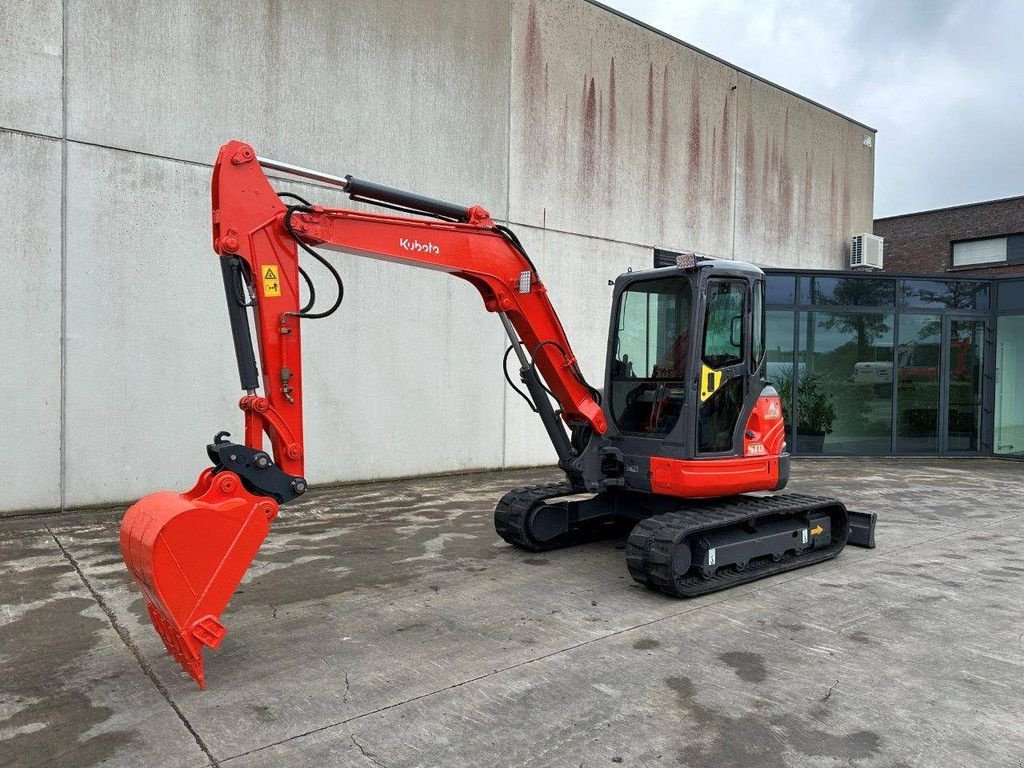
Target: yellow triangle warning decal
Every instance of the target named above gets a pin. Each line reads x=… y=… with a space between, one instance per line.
x=271 y=282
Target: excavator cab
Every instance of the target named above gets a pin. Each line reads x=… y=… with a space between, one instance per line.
x=686 y=358
x=690 y=412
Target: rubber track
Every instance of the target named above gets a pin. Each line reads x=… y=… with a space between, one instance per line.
x=653 y=542
x=512 y=515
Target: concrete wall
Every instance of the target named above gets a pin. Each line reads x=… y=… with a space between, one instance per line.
x=597 y=138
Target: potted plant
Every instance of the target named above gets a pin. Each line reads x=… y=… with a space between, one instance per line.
x=815 y=411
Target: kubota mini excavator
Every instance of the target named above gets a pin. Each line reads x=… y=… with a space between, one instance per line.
x=685 y=425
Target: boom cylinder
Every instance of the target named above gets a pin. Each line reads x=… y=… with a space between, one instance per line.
x=381 y=193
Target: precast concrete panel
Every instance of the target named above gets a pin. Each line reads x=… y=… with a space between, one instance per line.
x=617 y=132
x=412 y=93
x=576 y=271
x=402 y=380
x=30 y=315
x=31 y=45
x=150 y=370
x=805 y=180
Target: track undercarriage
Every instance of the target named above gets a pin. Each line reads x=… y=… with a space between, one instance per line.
x=686 y=548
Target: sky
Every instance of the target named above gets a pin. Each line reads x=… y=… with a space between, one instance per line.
x=941 y=80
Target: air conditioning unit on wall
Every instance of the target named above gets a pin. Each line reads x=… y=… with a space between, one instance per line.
x=866 y=251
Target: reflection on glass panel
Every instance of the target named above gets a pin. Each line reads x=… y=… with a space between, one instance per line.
x=854 y=291
x=917 y=359
x=944 y=294
x=1009 y=432
x=966 y=342
x=806 y=284
x=779 y=359
x=780 y=289
x=1011 y=295
x=844 y=406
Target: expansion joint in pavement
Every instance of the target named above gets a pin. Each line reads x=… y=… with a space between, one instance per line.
x=122 y=632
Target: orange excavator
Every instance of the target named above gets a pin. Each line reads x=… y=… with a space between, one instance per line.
x=671 y=452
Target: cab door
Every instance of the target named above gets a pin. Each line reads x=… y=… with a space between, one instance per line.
x=723 y=386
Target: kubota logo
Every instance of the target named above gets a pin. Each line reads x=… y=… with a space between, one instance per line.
x=417 y=246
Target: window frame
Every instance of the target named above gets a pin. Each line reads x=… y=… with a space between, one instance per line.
x=980 y=264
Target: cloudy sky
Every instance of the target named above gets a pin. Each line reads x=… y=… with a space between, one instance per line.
x=941 y=80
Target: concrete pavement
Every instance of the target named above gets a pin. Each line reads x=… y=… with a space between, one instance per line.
x=387 y=625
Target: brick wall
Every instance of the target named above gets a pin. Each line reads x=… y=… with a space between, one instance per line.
x=920 y=242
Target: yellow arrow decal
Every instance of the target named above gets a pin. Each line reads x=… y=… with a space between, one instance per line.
x=816 y=530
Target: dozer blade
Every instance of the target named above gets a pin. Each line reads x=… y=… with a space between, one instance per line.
x=188 y=552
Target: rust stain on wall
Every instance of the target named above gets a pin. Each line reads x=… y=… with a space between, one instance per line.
x=833 y=214
x=693 y=153
x=613 y=128
x=714 y=153
x=749 y=179
x=563 y=132
x=587 y=145
x=648 y=180
x=693 y=147
x=546 y=90
x=724 y=171
x=785 y=176
x=535 y=87
x=612 y=108
x=808 y=193
x=663 y=155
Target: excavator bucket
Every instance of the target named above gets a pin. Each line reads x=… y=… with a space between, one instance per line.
x=188 y=552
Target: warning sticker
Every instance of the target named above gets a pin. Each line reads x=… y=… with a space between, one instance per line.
x=271 y=274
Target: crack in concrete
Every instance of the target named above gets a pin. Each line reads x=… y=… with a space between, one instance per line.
x=125 y=636
x=831 y=688
x=368 y=755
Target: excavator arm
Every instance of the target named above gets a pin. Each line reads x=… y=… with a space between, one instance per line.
x=189 y=551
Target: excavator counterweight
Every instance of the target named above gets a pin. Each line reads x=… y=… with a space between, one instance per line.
x=686 y=426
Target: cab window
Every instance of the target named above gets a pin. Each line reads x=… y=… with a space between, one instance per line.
x=723 y=323
x=652 y=352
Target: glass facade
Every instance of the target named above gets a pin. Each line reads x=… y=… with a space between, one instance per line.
x=917 y=377
x=844 y=390
x=1009 y=399
x=876 y=364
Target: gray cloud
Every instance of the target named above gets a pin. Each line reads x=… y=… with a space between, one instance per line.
x=941 y=80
